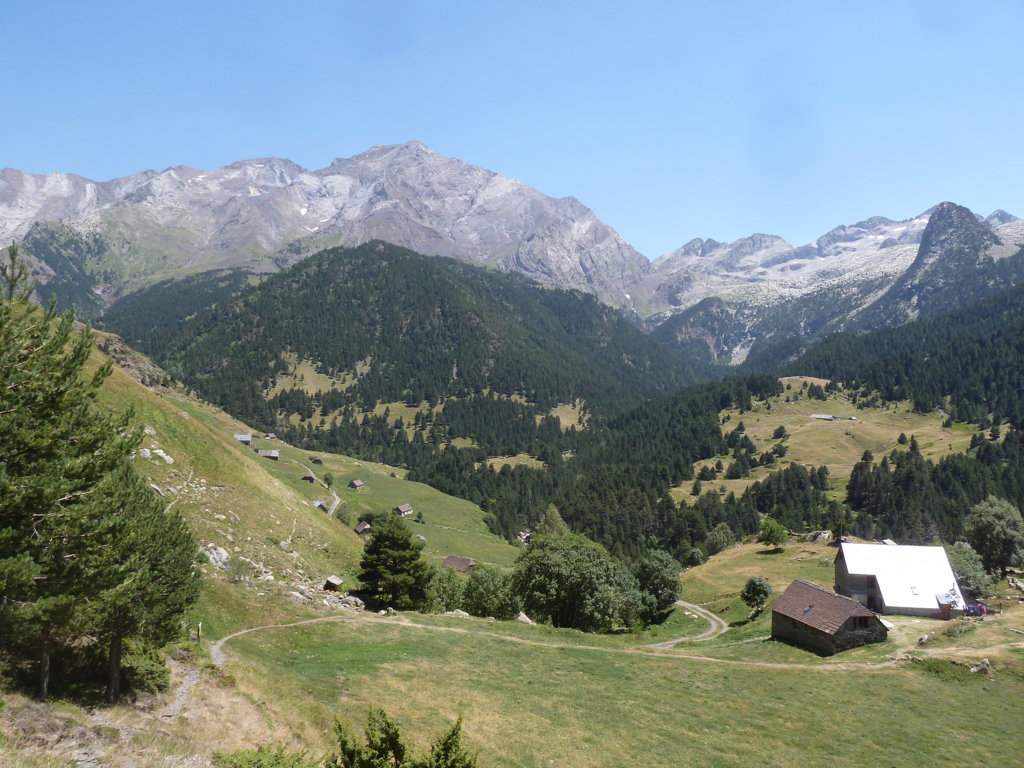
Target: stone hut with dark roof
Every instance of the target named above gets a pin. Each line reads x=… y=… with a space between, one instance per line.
x=403 y=510
x=356 y=484
x=815 y=618
x=309 y=477
x=460 y=564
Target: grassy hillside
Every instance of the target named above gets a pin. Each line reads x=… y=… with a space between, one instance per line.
x=263 y=513
x=837 y=444
x=738 y=699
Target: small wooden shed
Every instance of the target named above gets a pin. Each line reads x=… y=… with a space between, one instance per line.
x=815 y=618
x=309 y=477
x=321 y=505
x=404 y=510
x=356 y=484
x=244 y=439
x=332 y=583
x=460 y=564
x=363 y=528
x=274 y=455
x=316 y=460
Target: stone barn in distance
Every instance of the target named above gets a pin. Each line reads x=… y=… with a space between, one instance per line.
x=812 y=617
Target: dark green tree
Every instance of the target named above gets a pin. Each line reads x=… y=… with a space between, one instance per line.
x=77 y=526
x=489 y=593
x=574 y=582
x=391 y=568
x=152 y=579
x=996 y=532
x=756 y=592
x=657 y=573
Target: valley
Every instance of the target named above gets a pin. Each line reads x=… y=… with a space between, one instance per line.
x=734 y=697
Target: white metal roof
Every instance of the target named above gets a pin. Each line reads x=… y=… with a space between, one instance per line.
x=908 y=577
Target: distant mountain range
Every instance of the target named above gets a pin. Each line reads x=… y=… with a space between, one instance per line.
x=266 y=214
x=92 y=243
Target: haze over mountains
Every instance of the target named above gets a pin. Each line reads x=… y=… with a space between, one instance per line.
x=91 y=243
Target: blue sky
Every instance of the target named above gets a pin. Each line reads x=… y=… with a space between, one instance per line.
x=670 y=120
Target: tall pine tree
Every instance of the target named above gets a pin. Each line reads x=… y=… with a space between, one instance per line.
x=80 y=534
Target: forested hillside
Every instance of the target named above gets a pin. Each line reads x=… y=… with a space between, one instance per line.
x=439 y=366
x=969 y=362
x=321 y=353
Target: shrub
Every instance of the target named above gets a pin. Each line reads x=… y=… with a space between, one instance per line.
x=445 y=590
x=489 y=593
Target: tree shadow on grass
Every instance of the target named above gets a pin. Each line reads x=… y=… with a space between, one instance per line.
x=743 y=622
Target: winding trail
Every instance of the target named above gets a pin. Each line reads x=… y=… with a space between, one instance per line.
x=219 y=658
x=662 y=650
x=718 y=626
x=189 y=678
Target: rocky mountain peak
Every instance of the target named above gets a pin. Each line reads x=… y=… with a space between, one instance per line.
x=999 y=217
x=953 y=229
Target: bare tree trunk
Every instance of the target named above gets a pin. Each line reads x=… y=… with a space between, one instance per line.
x=43 y=689
x=114 y=670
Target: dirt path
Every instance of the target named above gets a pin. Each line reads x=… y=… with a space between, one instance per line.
x=718 y=626
x=219 y=658
x=189 y=678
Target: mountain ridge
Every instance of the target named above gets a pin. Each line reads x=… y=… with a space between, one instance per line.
x=159 y=224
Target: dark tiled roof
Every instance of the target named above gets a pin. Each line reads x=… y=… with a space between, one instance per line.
x=816 y=607
x=461 y=564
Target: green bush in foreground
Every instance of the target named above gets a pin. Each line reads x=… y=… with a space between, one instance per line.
x=384 y=748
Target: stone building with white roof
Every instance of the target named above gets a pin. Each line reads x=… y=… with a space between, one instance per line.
x=890 y=578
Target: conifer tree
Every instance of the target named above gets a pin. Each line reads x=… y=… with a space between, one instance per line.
x=391 y=568
x=79 y=532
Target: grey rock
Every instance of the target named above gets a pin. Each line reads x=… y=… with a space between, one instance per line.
x=218 y=557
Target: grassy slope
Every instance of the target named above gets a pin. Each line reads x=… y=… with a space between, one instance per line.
x=262 y=510
x=536 y=696
x=837 y=444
